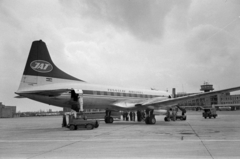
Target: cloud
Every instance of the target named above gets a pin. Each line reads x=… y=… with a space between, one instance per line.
x=214 y=53
x=143 y=19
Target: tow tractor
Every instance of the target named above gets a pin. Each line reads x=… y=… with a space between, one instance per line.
x=75 y=123
x=209 y=112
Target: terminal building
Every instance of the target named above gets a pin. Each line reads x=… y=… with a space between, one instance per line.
x=224 y=99
x=7 y=111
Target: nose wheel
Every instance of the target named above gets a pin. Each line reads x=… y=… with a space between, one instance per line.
x=108 y=118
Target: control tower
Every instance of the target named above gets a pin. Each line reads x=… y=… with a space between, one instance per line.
x=206 y=87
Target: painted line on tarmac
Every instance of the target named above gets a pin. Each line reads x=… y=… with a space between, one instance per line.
x=123 y=140
x=201 y=141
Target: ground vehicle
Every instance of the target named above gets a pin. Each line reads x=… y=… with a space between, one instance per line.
x=178 y=117
x=174 y=115
x=80 y=122
x=181 y=117
x=209 y=112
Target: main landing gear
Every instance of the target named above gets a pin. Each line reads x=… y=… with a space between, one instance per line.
x=150 y=119
x=108 y=118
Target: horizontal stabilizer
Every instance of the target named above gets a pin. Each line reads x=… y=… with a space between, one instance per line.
x=19 y=97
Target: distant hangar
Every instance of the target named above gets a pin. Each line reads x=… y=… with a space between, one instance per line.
x=7 y=111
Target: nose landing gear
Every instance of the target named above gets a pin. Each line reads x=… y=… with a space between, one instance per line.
x=108 y=118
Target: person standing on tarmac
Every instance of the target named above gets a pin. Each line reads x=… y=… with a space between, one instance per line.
x=131 y=115
x=139 y=116
x=134 y=116
x=143 y=115
x=174 y=114
x=124 y=115
x=127 y=117
x=183 y=112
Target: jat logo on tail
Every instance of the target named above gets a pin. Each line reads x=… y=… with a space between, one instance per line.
x=41 y=66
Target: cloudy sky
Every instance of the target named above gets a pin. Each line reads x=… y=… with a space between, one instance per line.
x=128 y=43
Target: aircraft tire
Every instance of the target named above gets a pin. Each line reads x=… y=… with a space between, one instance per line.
x=96 y=124
x=89 y=126
x=166 y=119
x=152 y=120
x=185 y=118
x=72 y=127
x=106 y=120
x=110 y=119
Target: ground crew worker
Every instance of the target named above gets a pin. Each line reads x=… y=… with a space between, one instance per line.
x=124 y=115
x=127 y=117
x=131 y=116
x=174 y=114
x=143 y=115
x=183 y=112
x=134 y=115
x=139 y=118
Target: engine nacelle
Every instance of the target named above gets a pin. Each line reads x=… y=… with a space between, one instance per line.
x=160 y=112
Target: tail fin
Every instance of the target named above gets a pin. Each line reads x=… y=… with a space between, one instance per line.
x=41 y=70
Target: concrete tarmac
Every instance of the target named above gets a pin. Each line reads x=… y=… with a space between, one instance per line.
x=43 y=137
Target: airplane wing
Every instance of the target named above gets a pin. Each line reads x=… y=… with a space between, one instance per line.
x=158 y=102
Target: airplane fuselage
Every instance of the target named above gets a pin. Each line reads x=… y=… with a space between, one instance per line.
x=96 y=96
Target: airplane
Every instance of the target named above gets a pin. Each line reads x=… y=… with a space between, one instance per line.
x=44 y=82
